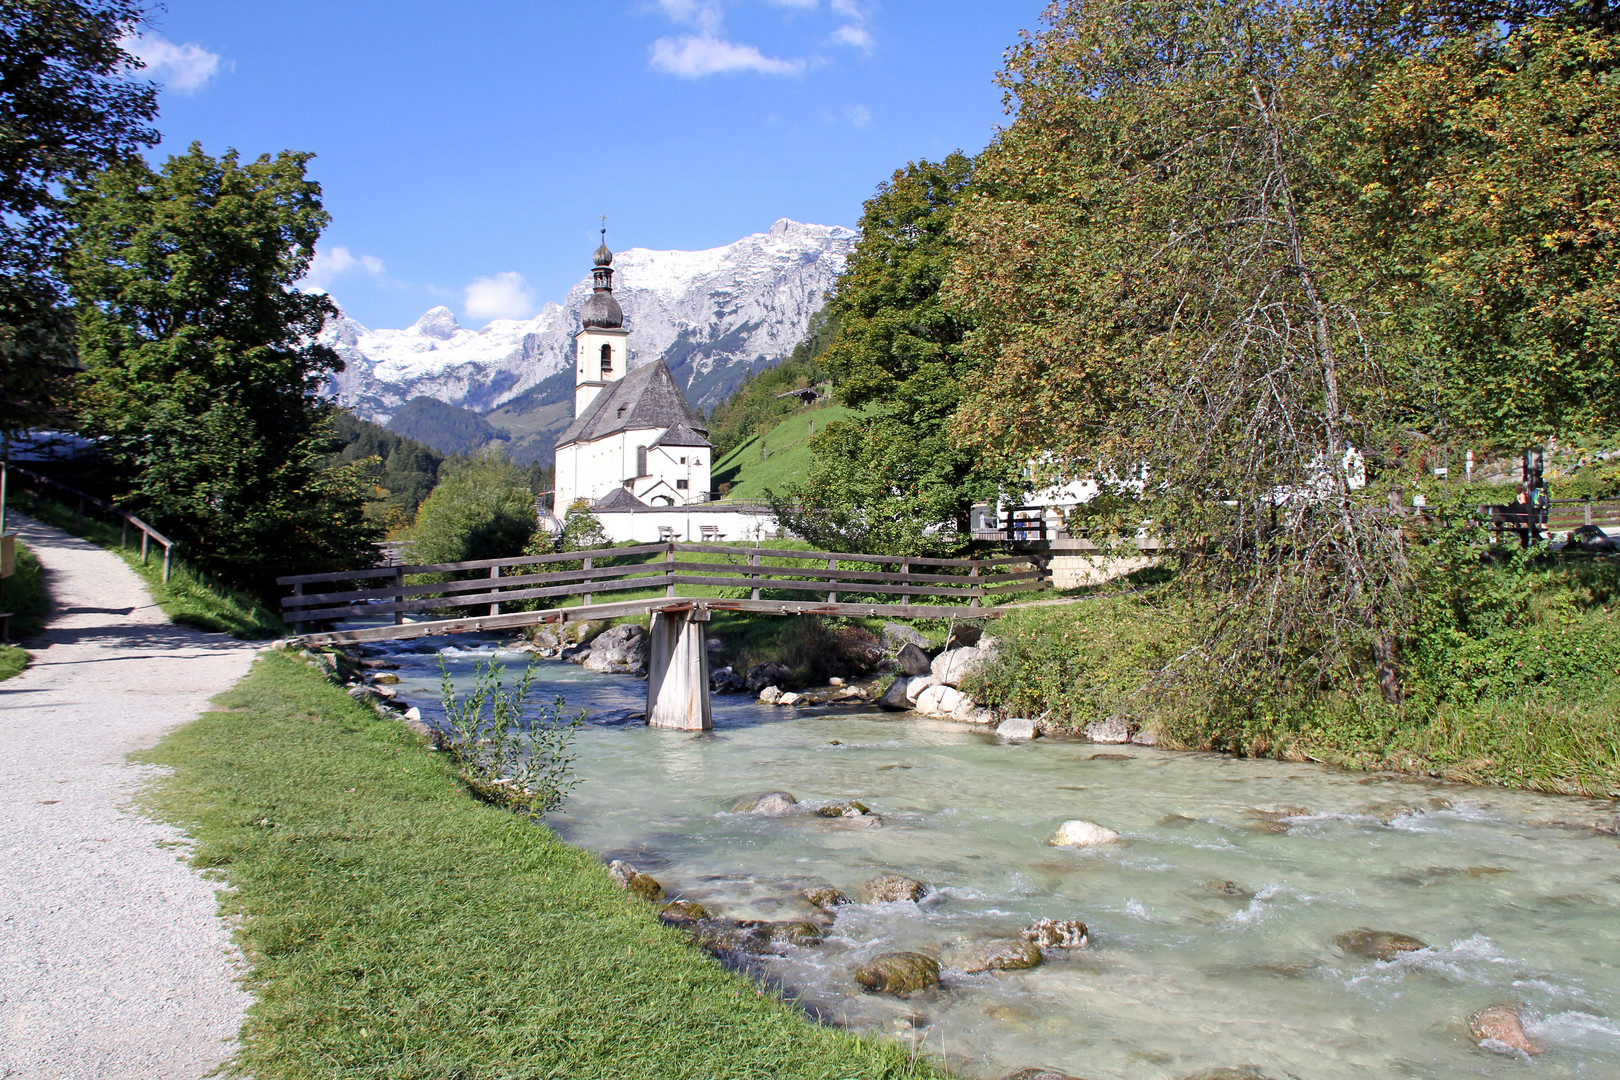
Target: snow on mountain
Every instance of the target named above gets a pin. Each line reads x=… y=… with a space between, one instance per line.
x=708 y=314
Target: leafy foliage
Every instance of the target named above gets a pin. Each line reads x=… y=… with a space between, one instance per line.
x=67 y=110
x=508 y=756
x=895 y=479
x=401 y=473
x=200 y=372
x=483 y=508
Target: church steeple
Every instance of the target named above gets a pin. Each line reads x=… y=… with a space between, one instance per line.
x=602 y=310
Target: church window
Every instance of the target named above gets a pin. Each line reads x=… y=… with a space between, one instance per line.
x=641 y=461
x=607 y=360
x=680 y=484
x=683 y=461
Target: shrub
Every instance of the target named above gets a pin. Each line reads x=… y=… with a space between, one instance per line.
x=521 y=763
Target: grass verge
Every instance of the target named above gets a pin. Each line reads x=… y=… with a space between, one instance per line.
x=398 y=928
x=23 y=594
x=188 y=597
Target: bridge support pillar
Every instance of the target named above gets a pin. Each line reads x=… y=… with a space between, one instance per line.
x=678 y=671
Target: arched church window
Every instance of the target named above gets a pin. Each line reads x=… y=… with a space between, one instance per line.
x=607 y=360
x=641 y=461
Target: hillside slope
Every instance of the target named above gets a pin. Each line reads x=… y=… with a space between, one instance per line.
x=788 y=457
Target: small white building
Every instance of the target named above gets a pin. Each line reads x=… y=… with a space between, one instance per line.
x=637 y=452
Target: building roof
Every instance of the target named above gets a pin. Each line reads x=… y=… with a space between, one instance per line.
x=620 y=498
x=680 y=435
x=647 y=397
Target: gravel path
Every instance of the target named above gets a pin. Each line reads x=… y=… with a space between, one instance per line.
x=114 y=962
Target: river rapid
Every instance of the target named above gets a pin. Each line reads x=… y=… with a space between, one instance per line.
x=1212 y=920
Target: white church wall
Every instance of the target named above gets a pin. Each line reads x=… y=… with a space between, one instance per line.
x=688 y=526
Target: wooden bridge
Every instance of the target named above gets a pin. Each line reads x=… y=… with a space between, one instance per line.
x=715 y=578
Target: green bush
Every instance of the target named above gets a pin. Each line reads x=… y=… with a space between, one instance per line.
x=482 y=508
x=508 y=758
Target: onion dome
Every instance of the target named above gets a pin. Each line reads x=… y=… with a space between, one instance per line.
x=602 y=310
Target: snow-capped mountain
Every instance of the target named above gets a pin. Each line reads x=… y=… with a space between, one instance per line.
x=708 y=314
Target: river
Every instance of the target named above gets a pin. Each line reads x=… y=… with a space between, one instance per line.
x=1212 y=920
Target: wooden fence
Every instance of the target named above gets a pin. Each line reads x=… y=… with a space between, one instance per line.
x=842 y=578
x=82 y=502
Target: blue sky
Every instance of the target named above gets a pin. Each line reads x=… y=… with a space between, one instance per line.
x=466 y=150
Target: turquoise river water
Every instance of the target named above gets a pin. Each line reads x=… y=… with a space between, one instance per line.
x=1212 y=920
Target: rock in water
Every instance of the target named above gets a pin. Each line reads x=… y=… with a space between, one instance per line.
x=621 y=650
x=683 y=912
x=826 y=897
x=762 y=675
x=1017 y=728
x=847 y=808
x=795 y=933
x=1039 y=1073
x=1503 y=1024
x=1230 y=1072
x=1014 y=954
x=574 y=654
x=1082 y=834
x=766 y=802
x=898 y=973
x=1057 y=933
x=634 y=882
x=1113 y=729
x=1377 y=944
x=894 y=699
x=912 y=660
x=770 y=695
x=892 y=888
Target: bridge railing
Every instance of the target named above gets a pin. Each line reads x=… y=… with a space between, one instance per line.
x=675 y=569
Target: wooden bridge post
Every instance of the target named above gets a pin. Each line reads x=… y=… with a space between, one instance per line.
x=495 y=586
x=973 y=576
x=669 y=568
x=832 y=596
x=587 y=565
x=399 y=585
x=753 y=561
x=678 y=671
x=905 y=568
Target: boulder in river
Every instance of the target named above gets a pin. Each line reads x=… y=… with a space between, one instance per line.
x=790 y=698
x=770 y=695
x=766 y=802
x=940 y=700
x=893 y=888
x=913 y=661
x=795 y=933
x=1503 y=1025
x=846 y=808
x=898 y=973
x=725 y=681
x=620 y=650
x=723 y=936
x=952 y=666
x=894 y=699
x=634 y=882
x=762 y=675
x=1377 y=944
x=1110 y=729
x=1082 y=834
x=574 y=654
x=897 y=635
x=683 y=912
x=826 y=897
x=1018 y=728
x=1057 y=933
x=1010 y=954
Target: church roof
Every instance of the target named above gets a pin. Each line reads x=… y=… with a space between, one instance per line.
x=620 y=498
x=680 y=435
x=647 y=397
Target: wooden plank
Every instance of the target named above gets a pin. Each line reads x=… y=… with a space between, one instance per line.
x=779 y=553
x=821 y=586
x=325 y=614
x=448 y=588
x=517 y=620
x=790 y=573
x=477 y=564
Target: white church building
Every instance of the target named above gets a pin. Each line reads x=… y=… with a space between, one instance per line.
x=637 y=452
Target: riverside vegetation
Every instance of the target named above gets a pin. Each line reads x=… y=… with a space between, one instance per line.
x=398 y=926
x=23 y=594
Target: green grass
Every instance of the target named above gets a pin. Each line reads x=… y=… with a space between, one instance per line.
x=398 y=928
x=188 y=597
x=787 y=455
x=23 y=594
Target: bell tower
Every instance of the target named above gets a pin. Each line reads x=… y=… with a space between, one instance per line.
x=601 y=348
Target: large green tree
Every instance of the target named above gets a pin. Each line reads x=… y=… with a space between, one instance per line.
x=895 y=478
x=67 y=110
x=201 y=372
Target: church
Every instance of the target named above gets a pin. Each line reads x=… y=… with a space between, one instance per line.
x=636 y=443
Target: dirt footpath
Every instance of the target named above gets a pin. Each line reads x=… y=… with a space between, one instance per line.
x=114 y=962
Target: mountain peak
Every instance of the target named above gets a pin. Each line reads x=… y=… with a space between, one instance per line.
x=439 y=322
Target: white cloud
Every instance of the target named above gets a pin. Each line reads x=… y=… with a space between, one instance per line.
x=504 y=296
x=848 y=9
x=703 y=14
x=859 y=115
x=183 y=68
x=854 y=36
x=694 y=56
x=332 y=263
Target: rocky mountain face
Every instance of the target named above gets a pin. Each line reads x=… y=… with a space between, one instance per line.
x=710 y=315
